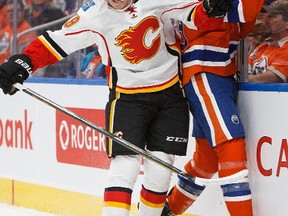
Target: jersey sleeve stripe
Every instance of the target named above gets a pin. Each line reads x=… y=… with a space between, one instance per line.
x=204 y=55
x=236 y=14
x=52 y=46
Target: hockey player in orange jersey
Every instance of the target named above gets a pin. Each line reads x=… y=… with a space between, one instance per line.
x=208 y=77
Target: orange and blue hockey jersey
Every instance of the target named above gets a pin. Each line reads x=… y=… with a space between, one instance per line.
x=214 y=50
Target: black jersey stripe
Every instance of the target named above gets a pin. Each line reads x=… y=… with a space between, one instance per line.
x=54 y=45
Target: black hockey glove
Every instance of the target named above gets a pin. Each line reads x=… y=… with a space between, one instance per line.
x=15 y=70
x=217 y=8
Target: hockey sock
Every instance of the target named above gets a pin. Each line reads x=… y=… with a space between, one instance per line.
x=237 y=195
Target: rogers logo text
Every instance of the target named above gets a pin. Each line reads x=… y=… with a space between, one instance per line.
x=16 y=133
x=78 y=144
x=81 y=137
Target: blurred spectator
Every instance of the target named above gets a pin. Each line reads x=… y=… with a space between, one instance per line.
x=262 y=13
x=67 y=6
x=6 y=33
x=91 y=66
x=268 y=63
x=258 y=36
x=61 y=4
x=27 y=3
x=44 y=11
x=3 y=11
x=65 y=66
x=72 y=6
x=268 y=2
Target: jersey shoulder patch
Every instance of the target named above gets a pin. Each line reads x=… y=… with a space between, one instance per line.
x=87 y=5
x=71 y=21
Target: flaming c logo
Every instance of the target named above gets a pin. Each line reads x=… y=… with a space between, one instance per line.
x=140 y=42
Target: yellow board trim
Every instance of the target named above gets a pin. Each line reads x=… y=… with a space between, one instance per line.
x=6 y=188
x=52 y=200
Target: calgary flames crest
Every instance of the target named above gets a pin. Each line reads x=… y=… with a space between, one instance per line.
x=140 y=42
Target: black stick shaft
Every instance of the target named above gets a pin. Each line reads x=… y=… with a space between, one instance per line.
x=115 y=138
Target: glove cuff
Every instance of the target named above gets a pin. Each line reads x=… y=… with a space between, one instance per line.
x=23 y=62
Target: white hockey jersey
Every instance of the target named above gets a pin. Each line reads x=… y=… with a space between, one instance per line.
x=131 y=42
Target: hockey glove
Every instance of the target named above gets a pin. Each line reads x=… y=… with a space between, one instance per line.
x=15 y=70
x=217 y=8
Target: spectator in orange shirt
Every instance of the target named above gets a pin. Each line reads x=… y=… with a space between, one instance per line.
x=269 y=61
x=6 y=33
x=42 y=12
x=3 y=11
x=258 y=36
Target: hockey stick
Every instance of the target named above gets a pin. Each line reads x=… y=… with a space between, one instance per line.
x=125 y=143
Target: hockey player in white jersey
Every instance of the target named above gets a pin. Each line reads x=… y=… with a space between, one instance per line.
x=146 y=105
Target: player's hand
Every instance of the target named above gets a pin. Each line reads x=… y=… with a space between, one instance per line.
x=217 y=8
x=15 y=70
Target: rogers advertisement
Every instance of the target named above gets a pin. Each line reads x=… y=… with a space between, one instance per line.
x=79 y=144
x=46 y=147
x=16 y=133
